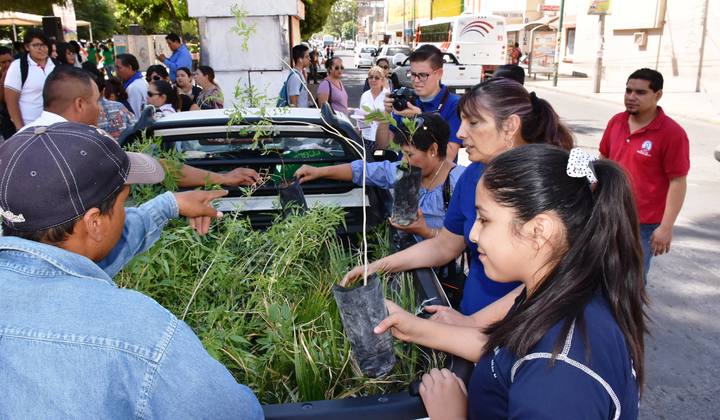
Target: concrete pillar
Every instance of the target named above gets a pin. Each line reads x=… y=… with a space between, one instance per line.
x=268 y=48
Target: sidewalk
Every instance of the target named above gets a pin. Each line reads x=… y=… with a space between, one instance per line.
x=691 y=105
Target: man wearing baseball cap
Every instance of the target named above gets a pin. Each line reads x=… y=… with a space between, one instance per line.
x=73 y=343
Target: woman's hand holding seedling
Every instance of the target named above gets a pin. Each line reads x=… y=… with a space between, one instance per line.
x=308 y=173
x=418 y=227
x=444 y=395
x=196 y=206
x=358 y=272
x=403 y=325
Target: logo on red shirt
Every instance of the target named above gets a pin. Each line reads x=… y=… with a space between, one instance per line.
x=645 y=148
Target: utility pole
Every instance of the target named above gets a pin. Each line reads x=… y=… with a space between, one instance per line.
x=403 y=28
x=558 y=42
x=702 y=46
x=598 y=62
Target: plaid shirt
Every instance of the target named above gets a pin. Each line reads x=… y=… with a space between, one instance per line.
x=114 y=118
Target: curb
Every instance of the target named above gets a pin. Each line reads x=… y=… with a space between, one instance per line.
x=674 y=114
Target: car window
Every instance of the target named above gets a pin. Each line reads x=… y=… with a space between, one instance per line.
x=396 y=50
x=367 y=50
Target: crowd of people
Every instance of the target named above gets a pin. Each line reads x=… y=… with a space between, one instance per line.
x=170 y=87
x=553 y=308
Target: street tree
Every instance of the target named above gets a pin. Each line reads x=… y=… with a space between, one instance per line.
x=316 y=14
x=343 y=11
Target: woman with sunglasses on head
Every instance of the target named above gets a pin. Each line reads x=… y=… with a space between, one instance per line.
x=372 y=100
x=163 y=97
x=496 y=115
x=384 y=64
x=211 y=97
x=426 y=150
x=332 y=89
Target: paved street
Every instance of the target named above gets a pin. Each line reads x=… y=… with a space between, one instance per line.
x=683 y=349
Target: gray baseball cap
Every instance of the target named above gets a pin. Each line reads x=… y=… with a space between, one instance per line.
x=52 y=175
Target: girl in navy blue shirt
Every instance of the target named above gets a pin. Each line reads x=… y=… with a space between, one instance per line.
x=496 y=116
x=571 y=346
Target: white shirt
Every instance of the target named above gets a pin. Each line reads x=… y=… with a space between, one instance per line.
x=31 y=100
x=137 y=96
x=366 y=100
x=47 y=118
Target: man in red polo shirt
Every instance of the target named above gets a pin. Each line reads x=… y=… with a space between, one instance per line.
x=655 y=152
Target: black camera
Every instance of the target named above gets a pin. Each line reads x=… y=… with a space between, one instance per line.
x=402 y=96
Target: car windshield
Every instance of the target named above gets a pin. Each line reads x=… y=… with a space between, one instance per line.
x=398 y=50
x=367 y=50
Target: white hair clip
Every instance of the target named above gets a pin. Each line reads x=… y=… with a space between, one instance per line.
x=580 y=165
x=11 y=217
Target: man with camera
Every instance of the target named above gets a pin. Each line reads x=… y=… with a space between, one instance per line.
x=427 y=95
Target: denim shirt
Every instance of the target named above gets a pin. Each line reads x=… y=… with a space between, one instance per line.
x=74 y=345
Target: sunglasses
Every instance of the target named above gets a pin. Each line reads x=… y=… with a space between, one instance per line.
x=339 y=68
x=156 y=77
x=151 y=94
x=374 y=78
x=384 y=67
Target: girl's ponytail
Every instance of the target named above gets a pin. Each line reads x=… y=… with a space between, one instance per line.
x=543 y=125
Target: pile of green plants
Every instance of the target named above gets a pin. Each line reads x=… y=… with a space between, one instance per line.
x=261 y=303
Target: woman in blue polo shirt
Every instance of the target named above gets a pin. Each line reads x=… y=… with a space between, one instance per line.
x=427 y=150
x=571 y=347
x=496 y=116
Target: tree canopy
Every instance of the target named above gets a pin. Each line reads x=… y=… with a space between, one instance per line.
x=342 y=12
x=316 y=13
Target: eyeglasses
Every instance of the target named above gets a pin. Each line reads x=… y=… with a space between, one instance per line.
x=151 y=94
x=374 y=78
x=339 y=68
x=420 y=76
x=384 y=67
x=38 y=45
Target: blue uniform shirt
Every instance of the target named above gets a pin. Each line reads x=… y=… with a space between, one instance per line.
x=448 y=111
x=479 y=290
x=602 y=386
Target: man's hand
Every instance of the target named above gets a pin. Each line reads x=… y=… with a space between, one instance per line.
x=161 y=57
x=418 y=227
x=307 y=173
x=660 y=240
x=195 y=205
x=444 y=395
x=240 y=176
x=411 y=111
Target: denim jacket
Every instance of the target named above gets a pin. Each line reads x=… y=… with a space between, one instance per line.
x=74 y=345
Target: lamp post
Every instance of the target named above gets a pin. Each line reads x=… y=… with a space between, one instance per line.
x=558 y=43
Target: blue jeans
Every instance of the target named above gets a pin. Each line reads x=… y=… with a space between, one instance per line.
x=646 y=231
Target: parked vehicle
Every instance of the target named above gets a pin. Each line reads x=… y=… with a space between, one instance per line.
x=328 y=41
x=390 y=51
x=297 y=136
x=364 y=56
x=457 y=77
x=349 y=44
x=472 y=39
x=294 y=137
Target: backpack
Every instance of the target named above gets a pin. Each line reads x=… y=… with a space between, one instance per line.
x=283 y=98
x=25 y=67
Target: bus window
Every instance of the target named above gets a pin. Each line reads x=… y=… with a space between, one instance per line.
x=439 y=32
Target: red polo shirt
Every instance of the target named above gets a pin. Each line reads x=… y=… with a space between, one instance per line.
x=652 y=156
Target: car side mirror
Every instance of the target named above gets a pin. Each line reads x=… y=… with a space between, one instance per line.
x=385 y=154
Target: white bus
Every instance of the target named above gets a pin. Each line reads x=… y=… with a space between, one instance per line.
x=473 y=39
